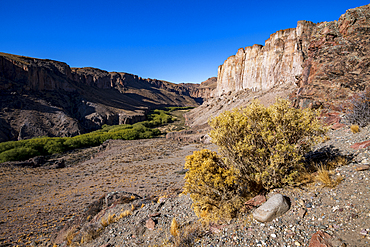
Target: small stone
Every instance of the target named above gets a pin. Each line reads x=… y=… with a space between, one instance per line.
x=106 y=245
x=255 y=201
x=273 y=235
x=150 y=224
x=362 y=167
x=323 y=239
x=302 y=212
x=154 y=215
x=276 y=206
x=297 y=243
x=361 y=145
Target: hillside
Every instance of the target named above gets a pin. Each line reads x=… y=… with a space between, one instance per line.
x=42 y=97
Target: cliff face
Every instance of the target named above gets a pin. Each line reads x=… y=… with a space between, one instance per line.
x=202 y=91
x=46 y=97
x=337 y=62
x=328 y=61
x=262 y=67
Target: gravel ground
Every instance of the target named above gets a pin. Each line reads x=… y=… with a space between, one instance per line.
x=343 y=212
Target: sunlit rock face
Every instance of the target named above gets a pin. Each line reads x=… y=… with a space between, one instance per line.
x=260 y=67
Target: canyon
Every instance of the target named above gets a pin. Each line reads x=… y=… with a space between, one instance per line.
x=41 y=97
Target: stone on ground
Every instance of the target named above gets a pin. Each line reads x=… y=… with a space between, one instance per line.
x=322 y=239
x=276 y=206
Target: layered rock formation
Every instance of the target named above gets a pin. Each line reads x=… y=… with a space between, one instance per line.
x=328 y=61
x=204 y=90
x=337 y=62
x=262 y=67
x=45 y=97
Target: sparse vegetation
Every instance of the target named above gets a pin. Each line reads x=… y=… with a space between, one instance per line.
x=262 y=148
x=174 y=230
x=25 y=149
x=358 y=112
x=325 y=177
x=355 y=128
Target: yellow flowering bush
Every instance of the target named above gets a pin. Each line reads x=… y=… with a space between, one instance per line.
x=212 y=186
x=265 y=145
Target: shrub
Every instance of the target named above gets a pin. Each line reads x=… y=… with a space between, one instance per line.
x=355 y=128
x=359 y=111
x=212 y=186
x=19 y=153
x=265 y=146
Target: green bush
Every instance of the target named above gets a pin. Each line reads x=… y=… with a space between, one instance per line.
x=12 y=150
x=18 y=153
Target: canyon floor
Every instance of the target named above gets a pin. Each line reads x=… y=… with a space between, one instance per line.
x=38 y=202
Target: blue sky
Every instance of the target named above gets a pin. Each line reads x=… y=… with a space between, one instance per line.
x=177 y=41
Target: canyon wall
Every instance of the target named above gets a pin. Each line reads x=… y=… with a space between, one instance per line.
x=46 y=97
x=327 y=61
x=262 y=67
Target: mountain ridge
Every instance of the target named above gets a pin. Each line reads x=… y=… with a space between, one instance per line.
x=47 y=97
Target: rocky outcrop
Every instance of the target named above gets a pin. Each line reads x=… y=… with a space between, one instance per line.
x=337 y=62
x=328 y=61
x=203 y=91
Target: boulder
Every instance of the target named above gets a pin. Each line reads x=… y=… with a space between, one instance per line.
x=276 y=206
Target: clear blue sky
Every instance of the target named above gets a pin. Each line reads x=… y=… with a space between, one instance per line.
x=177 y=41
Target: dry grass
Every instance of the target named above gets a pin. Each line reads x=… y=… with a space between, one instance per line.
x=104 y=222
x=322 y=173
x=111 y=218
x=324 y=176
x=70 y=236
x=174 y=230
x=125 y=214
x=355 y=129
x=189 y=234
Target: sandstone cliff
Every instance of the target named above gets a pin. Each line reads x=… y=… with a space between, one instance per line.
x=46 y=97
x=263 y=67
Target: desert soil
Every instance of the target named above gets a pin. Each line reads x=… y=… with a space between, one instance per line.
x=35 y=202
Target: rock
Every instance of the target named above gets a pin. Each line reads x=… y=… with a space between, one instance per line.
x=276 y=206
x=255 y=201
x=106 y=245
x=154 y=215
x=361 y=145
x=302 y=212
x=337 y=126
x=322 y=239
x=150 y=224
x=362 y=167
x=215 y=228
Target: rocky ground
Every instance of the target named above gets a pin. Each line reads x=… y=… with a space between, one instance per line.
x=142 y=180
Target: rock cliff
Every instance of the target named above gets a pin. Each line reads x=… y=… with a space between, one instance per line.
x=314 y=65
x=46 y=97
x=337 y=61
x=202 y=91
x=262 y=67
x=328 y=61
